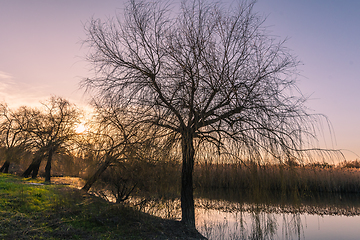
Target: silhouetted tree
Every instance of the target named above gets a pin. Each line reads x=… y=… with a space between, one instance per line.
x=13 y=137
x=104 y=142
x=210 y=76
x=51 y=129
x=113 y=138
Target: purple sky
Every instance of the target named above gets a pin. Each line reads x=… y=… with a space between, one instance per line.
x=41 y=54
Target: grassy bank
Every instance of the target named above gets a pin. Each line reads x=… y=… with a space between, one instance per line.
x=31 y=210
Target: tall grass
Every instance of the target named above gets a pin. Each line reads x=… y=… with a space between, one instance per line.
x=274 y=180
x=253 y=181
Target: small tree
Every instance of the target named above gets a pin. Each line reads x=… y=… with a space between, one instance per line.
x=13 y=137
x=105 y=141
x=210 y=76
x=113 y=138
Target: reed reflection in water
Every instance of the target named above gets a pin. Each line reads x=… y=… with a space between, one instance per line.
x=249 y=225
x=217 y=220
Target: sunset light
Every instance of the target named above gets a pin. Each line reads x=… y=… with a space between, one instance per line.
x=80 y=128
x=190 y=119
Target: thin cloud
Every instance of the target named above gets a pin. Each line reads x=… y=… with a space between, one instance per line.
x=6 y=80
x=5 y=75
x=16 y=93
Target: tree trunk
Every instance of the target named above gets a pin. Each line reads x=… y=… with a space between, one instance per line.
x=97 y=174
x=33 y=168
x=48 y=166
x=5 y=167
x=187 y=198
x=8 y=157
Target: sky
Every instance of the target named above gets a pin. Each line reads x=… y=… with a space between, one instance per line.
x=41 y=54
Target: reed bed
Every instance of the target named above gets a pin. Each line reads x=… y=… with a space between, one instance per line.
x=252 y=181
x=279 y=180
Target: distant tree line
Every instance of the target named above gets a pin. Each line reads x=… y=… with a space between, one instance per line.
x=110 y=139
x=43 y=132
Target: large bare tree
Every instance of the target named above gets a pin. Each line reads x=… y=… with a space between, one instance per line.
x=209 y=74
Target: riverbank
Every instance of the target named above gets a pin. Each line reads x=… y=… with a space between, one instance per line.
x=30 y=209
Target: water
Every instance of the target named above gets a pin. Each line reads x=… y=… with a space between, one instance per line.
x=217 y=224
x=233 y=215
x=220 y=219
x=228 y=215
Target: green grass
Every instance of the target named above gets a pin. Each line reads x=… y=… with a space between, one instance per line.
x=29 y=211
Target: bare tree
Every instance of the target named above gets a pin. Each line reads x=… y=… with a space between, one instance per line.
x=13 y=137
x=210 y=76
x=51 y=129
x=105 y=141
x=114 y=138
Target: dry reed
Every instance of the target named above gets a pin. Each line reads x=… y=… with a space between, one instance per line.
x=280 y=180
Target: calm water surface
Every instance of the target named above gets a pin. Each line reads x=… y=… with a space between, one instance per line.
x=217 y=224
x=219 y=219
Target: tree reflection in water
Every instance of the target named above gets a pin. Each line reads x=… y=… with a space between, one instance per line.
x=227 y=220
x=220 y=219
x=249 y=225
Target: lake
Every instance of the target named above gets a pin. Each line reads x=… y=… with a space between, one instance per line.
x=264 y=222
x=222 y=219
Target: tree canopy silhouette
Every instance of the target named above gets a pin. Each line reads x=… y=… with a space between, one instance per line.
x=13 y=137
x=50 y=130
x=111 y=139
x=206 y=74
